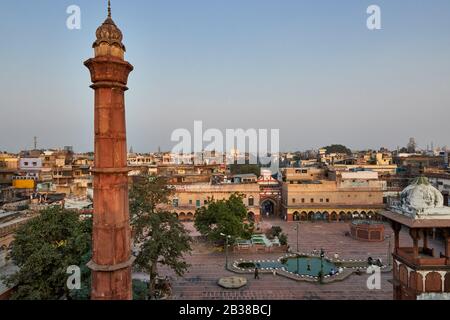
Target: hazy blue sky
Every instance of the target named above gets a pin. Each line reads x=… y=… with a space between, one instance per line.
x=309 y=68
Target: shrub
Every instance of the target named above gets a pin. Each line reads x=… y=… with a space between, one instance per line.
x=274 y=232
x=246 y=265
x=140 y=290
x=283 y=239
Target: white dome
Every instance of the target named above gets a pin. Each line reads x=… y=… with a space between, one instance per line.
x=422 y=200
x=421 y=195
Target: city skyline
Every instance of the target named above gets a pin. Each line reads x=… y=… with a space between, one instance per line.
x=431 y=147
x=312 y=70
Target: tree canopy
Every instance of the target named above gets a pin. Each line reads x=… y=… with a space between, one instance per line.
x=223 y=216
x=245 y=169
x=338 y=148
x=43 y=249
x=160 y=238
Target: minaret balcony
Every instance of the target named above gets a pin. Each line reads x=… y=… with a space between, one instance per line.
x=109 y=69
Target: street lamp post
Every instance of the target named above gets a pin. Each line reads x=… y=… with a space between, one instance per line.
x=389 y=257
x=322 y=255
x=298 y=260
x=226 y=249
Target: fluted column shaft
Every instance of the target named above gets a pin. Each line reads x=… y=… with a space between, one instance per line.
x=111 y=260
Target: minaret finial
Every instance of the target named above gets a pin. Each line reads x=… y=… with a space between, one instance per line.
x=109 y=8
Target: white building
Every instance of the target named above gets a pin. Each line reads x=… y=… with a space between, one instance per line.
x=30 y=166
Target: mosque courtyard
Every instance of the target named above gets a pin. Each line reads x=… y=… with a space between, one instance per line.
x=208 y=266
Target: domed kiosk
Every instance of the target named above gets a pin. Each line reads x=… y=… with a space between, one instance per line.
x=421 y=272
x=421 y=200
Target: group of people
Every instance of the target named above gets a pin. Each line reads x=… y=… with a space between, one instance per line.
x=378 y=262
x=274 y=272
x=321 y=252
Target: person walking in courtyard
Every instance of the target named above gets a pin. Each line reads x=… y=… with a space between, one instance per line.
x=256 y=273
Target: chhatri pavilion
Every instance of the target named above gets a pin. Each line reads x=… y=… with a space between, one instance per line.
x=421 y=271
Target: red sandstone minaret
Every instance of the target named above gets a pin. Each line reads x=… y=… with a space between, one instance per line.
x=111 y=261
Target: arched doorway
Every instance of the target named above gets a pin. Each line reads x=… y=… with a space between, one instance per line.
x=363 y=215
x=334 y=216
x=251 y=217
x=320 y=216
x=304 y=216
x=268 y=208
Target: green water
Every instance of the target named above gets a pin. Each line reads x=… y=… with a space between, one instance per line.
x=302 y=266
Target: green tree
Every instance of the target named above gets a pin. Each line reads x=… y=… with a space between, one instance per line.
x=245 y=169
x=140 y=290
x=338 y=148
x=146 y=194
x=159 y=236
x=223 y=217
x=43 y=249
x=283 y=239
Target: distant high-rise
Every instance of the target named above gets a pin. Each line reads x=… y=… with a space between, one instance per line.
x=411 y=146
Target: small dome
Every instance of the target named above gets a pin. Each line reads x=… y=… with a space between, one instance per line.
x=421 y=196
x=109 y=33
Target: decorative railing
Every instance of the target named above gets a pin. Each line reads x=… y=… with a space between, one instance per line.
x=425 y=258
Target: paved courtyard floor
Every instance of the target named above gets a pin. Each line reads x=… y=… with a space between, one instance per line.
x=208 y=265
